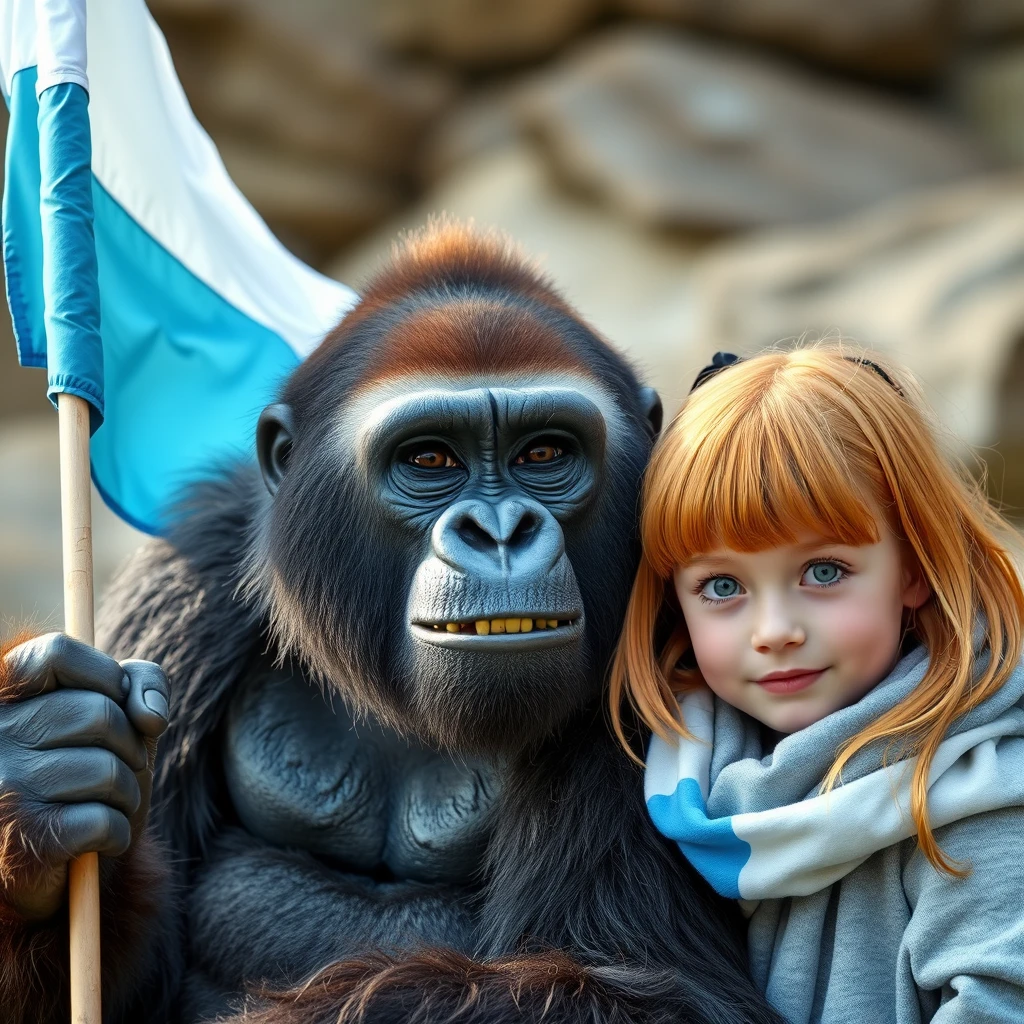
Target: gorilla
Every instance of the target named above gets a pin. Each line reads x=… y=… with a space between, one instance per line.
x=387 y=790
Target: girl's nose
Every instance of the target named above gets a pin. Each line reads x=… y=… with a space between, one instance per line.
x=775 y=629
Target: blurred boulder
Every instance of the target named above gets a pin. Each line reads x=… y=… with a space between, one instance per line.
x=989 y=90
x=633 y=285
x=679 y=133
x=937 y=282
x=888 y=38
x=31 y=574
x=991 y=19
x=309 y=111
x=484 y=33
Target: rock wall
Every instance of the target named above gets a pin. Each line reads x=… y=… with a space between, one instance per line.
x=695 y=174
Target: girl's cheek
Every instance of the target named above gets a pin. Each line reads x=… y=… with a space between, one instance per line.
x=716 y=645
x=867 y=632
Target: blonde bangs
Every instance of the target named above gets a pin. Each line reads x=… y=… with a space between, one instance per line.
x=767 y=468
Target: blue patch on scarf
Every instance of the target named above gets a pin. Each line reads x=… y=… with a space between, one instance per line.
x=709 y=844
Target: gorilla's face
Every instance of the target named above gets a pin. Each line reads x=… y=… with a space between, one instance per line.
x=468 y=548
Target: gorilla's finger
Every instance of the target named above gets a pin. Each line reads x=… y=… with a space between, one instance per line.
x=55 y=659
x=75 y=718
x=76 y=775
x=147 y=701
x=92 y=828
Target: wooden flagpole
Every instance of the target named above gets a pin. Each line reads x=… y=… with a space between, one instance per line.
x=76 y=531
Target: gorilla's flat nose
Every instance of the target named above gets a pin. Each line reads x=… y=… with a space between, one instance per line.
x=514 y=538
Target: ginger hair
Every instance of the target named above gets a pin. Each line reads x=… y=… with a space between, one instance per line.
x=811 y=440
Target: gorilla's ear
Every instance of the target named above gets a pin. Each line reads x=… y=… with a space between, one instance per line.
x=650 y=400
x=274 y=443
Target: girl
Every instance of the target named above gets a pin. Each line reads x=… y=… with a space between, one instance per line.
x=838 y=707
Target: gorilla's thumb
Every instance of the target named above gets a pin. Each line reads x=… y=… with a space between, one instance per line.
x=147 y=702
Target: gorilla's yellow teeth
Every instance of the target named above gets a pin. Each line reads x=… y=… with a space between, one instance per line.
x=526 y=625
x=512 y=625
x=497 y=625
x=483 y=627
x=552 y=623
x=452 y=627
x=541 y=624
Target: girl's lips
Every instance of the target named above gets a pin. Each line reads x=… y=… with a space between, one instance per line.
x=779 y=682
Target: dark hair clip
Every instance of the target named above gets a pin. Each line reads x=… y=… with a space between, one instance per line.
x=881 y=373
x=719 y=362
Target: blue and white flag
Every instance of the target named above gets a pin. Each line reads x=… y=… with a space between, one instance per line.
x=200 y=309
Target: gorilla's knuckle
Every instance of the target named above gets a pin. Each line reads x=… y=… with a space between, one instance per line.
x=109 y=784
x=105 y=827
x=55 y=647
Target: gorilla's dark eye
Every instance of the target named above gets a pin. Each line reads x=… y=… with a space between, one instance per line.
x=539 y=453
x=437 y=457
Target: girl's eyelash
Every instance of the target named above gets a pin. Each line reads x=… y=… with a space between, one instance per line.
x=844 y=566
x=698 y=587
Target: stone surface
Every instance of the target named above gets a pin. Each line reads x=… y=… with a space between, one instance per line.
x=937 y=283
x=31 y=578
x=675 y=132
x=318 y=122
x=989 y=89
x=890 y=38
x=484 y=33
x=312 y=206
x=633 y=285
x=990 y=19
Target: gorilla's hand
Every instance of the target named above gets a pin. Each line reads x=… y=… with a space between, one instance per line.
x=78 y=735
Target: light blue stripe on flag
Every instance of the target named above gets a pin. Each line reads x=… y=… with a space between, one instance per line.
x=74 y=352
x=187 y=373
x=48 y=239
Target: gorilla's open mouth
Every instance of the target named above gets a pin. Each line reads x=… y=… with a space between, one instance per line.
x=534 y=630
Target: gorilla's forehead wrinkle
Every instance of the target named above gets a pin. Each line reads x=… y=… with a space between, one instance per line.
x=486 y=405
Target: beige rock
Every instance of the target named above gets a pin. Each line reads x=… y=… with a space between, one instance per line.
x=989 y=89
x=484 y=33
x=31 y=577
x=328 y=100
x=483 y=121
x=634 y=286
x=991 y=19
x=317 y=121
x=675 y=132
x=890 y=38
x=313 y=206
x=937 y=283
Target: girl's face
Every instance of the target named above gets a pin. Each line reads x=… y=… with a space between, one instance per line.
x=791 y=634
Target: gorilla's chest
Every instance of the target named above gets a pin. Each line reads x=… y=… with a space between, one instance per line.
x=302 y=774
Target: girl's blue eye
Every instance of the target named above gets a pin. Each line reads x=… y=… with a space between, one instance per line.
x=823 y=574
x=720 y=588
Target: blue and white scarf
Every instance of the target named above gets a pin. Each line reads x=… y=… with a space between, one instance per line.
x=757 y=827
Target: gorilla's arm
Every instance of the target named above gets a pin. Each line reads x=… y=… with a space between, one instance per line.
x=647 y=949
x=179 y=610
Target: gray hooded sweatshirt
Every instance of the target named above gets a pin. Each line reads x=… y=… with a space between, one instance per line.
x=848 y=922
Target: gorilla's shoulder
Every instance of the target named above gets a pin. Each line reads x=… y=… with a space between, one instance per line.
x=181 y=593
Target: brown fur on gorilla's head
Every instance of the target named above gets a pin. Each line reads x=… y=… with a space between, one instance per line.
x=442 y=331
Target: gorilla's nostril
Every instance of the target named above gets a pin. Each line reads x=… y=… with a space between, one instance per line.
x=524 y=531
x=475 y=536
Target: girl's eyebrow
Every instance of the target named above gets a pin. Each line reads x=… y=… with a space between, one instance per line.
x=708 y=561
